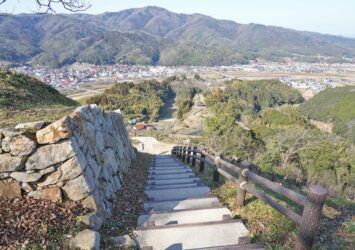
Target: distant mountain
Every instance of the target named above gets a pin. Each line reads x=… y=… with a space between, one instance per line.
x=153 y=35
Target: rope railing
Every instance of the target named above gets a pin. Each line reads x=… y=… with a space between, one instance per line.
x=312 y=204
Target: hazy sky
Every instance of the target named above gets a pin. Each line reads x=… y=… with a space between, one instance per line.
x=325 y=16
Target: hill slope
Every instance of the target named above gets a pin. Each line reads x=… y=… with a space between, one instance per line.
x=144 y=99
x=26 y=99
x=334 y=105
x=18 y=91
x=154 y=35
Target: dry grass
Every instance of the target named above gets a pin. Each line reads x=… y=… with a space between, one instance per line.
x=266 y=225
x=10 y=118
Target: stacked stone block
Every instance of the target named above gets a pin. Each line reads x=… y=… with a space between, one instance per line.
x=80 y=157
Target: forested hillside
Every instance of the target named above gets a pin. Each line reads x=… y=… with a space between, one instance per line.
x=336 y=106
x=252 y=122
x=145 y=98
x=153 y=35
x=253 y=96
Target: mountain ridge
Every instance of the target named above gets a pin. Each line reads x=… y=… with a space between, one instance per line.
x=153 y=35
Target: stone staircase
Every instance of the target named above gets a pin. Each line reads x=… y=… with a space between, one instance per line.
x=181 y=215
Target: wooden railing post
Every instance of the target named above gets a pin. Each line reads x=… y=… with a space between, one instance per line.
x=193 y=162
x=242 y=179
x=183 y=154
x=188 y=155
x=179 y=153
x=202 y=163
x=311 y=217
x=215 y=169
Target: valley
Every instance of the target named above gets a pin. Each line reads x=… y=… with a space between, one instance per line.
x=82 y=80
x=136 y=127
x=248 y=112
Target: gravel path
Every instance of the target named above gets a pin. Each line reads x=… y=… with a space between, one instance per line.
x=152 y=146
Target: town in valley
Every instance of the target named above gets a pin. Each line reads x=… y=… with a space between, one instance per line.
x=309 y=78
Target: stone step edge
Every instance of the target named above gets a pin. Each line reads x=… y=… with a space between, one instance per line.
x=155 y=173
x=192 y=185
x=179 y=188
x=186 y=177
x=200 y=224
x=169 y=166
x=178 y=183
x=166 y=168
x=188 y=199
x=167 y=162
x=183 y=210
x=242 y=246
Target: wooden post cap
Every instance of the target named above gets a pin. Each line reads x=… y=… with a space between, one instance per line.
x=315 y=189
x=246 y=164
x=216 y=160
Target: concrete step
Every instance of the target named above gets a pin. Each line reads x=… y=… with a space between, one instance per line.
x=169 y=168
x=194 y=203
x=189 y=236
x=178 y=185
x=173 y=181
x=170 y=165
x=165 y=160
x=170 y=176
x=177 y=193
x=170 y=171
x=184 y=216
x=256 y=246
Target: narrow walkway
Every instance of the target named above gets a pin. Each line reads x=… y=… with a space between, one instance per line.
x=182 y=215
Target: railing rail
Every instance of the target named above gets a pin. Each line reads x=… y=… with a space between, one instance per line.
x=312 y=205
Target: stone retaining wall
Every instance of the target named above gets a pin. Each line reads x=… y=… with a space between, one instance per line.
x=80 y=157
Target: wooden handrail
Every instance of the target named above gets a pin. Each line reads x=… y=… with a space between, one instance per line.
x=208 y=162
x=289 y=194
x=285 y=211
x=227 y=175
x=230 y=166
x=313 y=203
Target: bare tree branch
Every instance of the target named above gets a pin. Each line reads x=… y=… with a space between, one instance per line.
x=50 y=6
x=6 y=12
